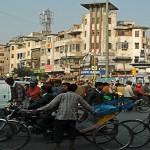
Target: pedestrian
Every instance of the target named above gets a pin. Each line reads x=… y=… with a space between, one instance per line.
x=96 y=96
x=66 y=116
x=34 y=91
x=18 y=92
x=57 y=88
x=128 y=91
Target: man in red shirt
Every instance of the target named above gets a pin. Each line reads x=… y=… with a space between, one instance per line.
x=34 y=91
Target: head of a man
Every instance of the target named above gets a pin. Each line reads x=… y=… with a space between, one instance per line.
x=65 y=86
x=72 y=87
x=10 y=81
x=33 y=83
x=57 y=83
x=99 y=85
x=46 y=89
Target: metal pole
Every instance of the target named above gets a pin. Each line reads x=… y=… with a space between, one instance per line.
x=106 y=42
x=95 y=45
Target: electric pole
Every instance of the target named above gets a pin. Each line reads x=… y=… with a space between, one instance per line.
x=106 y=42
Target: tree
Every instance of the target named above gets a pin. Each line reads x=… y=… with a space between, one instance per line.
x=22 y=72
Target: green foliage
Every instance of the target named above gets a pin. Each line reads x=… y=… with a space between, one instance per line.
x=22 y=72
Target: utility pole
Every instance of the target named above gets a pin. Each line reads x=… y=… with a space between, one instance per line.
x=106 y=41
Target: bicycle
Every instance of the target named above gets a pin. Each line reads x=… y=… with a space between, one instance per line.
x=108 y=133
x=141 y=104
x=140 y=130
x=12 y=131
x=101 y=121
x=30 y=119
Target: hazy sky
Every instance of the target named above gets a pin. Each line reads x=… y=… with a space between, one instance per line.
x=21 y=17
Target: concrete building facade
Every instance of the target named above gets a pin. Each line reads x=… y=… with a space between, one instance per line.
x=73 y=51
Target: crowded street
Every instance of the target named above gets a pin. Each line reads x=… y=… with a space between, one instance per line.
x=38 y=143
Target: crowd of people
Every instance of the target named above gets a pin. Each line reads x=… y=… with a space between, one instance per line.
x=65 y=97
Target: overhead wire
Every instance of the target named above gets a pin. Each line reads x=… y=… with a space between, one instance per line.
x=20 y=19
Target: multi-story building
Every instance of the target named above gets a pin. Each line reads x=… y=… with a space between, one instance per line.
x=23 y=51
x=2 y=48
x=6 y=59
x=130 y=40
x=68 y=51
x=82 y=48
x=125 y=40
x=94 y=36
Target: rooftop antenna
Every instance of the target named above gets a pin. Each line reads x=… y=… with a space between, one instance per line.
x=46 y=20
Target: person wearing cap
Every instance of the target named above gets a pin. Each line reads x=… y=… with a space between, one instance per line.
x=34 y=91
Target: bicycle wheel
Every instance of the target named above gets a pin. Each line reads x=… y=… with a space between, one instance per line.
x=109 y=136
x=13 y=135
x=141 y=132
x=88 y=136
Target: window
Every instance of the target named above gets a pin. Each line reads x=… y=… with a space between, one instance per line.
x=97 y=21
x=28 y=53
x=124 y=33
x=49 y=39
x=12 y=65
x=73 y=46
x=109 y=20
x=23 y=55
x=97 y=45
x=42 y=52
x=49 y=50
x=48 y=61
x=136 y=59
x=77 y=47
x=70 y=47
x=109 y=32
x=85 y=46
x=42 y=64
x=12 y=48
x=92 y=45
x=122 y=45
x=1 y=54
x=109 y=45
x=93 y=32
x=18 y=56
x=93 y=20
x=143 y=33
x=57 y=49
x=136 y=33
x=28 y=44
x=85 y=21
x=136 y=45
x=12 y=55
x=84 y=33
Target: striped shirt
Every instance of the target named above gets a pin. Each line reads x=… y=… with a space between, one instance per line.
x=68 y=104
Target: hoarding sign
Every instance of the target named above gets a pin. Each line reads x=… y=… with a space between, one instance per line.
x=48 y=68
